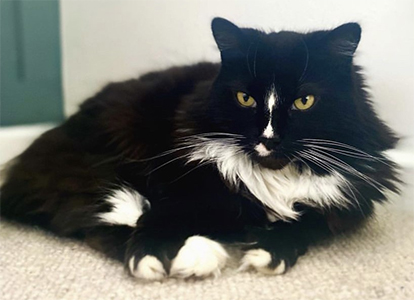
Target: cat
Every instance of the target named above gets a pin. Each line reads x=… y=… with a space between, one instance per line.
x=273 y=149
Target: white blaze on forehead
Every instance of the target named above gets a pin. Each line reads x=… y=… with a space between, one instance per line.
x=271 y=100
x=268 y=132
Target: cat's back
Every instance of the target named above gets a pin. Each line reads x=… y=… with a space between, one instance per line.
x=128 y=112
x=153 y=87
x=140 y=110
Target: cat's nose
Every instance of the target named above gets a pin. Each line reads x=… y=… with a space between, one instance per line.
x=270 y=143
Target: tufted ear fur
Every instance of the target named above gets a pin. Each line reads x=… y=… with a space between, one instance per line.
x=344 y=39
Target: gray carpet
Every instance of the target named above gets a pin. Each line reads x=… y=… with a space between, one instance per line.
x=376 y=262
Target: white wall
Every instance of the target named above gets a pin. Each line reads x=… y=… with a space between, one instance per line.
x=104 y=41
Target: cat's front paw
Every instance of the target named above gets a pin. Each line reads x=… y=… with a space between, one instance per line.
x=147 y=268
x=262 y=261
x=199 y=257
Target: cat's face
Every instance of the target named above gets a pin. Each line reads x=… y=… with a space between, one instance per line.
x=282 y=90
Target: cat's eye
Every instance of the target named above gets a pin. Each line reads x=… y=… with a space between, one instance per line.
x=304 y=103
x=246 y=100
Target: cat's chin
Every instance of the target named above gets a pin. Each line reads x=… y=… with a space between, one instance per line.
x=272 y=162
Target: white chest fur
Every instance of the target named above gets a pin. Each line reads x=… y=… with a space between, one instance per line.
x=280 y=189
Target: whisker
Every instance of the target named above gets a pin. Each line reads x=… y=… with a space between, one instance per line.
x=196 y=139
x=346 y=153
x=347 y=168
x=108 y=160
x=193 y=142
x=247 y=59
x=254 y=60
x=327 y=167
x=207 y=134
x=167 y=163
x=300 y=159
x=339 y=144
x=162 y=154
x=307 y=60
x=320 y=163
x=202 y=164
x=187 y=142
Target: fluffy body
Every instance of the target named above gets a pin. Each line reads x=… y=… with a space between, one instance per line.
x=161 y=171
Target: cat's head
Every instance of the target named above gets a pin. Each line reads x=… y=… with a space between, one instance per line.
x=287 y=94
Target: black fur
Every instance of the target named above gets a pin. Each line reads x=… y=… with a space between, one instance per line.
x=118 y=137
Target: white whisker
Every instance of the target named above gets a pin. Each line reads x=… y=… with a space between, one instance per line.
x=210 y=134
x=193 y=141
x=327 y=167
x=188 y=172
x=351 y=150
x=343 y=152
x=188 y=142
x=165 y=153
x=347 y=168
x=167 y=163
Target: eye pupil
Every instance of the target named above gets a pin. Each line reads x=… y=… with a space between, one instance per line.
x=245 y=100
x=304 y=103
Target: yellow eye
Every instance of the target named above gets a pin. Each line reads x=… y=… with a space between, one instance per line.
x=245 y=100
x=304 y=103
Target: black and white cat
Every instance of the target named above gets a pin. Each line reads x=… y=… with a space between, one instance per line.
x=274 y=148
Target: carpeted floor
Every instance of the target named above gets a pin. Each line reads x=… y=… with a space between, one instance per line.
x=377 y=262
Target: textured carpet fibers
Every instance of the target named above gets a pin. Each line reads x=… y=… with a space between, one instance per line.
x=376 y=262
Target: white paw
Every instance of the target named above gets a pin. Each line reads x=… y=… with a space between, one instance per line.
x=260 y=259
x=148 y=268
x=199 y=257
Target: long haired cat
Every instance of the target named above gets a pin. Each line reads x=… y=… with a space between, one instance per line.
x=274 y=148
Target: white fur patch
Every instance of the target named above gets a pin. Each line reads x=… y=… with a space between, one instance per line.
x=199 y=257
x=280 y=189
x=260 y=259
x=268 y=132
x=271 y=103
x=148 y=268
x=127 y=206
x=262 y=150
x=271 y=99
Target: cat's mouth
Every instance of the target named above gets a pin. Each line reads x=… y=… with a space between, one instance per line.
x=273 y=163
x=272 y=159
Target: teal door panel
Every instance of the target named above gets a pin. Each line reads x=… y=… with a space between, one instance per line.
x=30 y=82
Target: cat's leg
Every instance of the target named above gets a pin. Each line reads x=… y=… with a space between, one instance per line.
x=275 y=249
x=115 y=222
x=109 y=239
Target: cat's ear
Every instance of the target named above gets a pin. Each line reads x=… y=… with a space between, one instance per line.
x=344 y=39
x=227 y=35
